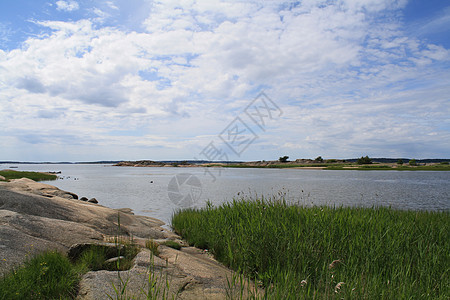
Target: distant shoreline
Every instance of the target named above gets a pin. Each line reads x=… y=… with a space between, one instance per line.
x=305 y=164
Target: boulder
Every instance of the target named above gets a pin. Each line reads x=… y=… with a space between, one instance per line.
x=84 y=199
x=93 y=200
x=2 y=178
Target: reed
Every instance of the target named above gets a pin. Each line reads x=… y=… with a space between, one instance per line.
x=326 y=252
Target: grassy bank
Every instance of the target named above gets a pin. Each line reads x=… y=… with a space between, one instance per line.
x=36 y=176
x=322 y=252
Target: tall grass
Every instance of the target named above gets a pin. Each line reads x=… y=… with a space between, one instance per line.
x=324 y=252
x=47 y=276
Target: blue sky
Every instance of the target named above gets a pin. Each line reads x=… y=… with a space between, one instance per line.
x=111 y=80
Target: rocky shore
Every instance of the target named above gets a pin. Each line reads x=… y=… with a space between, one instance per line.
x=35 y=217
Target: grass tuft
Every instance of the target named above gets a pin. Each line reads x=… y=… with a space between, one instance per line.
x=49 y=275
x=322 y=252
x=172 y=244
x=152 y=246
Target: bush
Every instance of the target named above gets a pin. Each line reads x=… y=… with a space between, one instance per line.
x=284 y=158
x=319 y=159
x=364 y=160
x=400 y=162
x=413 y=162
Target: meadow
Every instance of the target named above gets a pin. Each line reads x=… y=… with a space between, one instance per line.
x=326 y=252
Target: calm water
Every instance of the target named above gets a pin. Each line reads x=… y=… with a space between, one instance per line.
x=145 y=190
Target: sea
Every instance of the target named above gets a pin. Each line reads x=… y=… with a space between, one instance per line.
x=160 y=191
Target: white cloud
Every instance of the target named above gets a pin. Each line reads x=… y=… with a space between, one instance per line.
x=348 y=79
x=67 y=5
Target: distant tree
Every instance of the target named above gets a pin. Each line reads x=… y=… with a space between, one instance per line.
x=364 y=160
x=319 y=159
x=284 y=158
x=400 y=162
x=413 y=162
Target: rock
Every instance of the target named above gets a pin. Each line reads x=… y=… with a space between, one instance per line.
x=74 y=196
x=93 y=200
x=126 y=210
x=31 y=223
x=2 y=178
x=114 y=259
x=84 y=199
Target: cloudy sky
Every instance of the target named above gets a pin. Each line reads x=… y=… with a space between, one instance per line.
x=136 y=79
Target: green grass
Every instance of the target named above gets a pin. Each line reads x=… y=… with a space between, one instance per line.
x=172 y=244
x=47 y=276
x=36 y=176
x=94 y=258
x=51 y=275
x=382 y=253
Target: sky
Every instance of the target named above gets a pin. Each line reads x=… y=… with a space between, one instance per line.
x=85 y=80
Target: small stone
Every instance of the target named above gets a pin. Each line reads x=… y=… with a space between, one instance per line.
x=114 y=259
x=92 y=200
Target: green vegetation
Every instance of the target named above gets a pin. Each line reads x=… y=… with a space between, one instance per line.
x=322 y=252
x=413 y=162
x=152 y=246
x=364 y=160
x=51 y=275
x=318 y=159
x=172 y=244
x=95 y=257
x=400 y=162
x=283 y=158
x=47 y=276
x=36 y=176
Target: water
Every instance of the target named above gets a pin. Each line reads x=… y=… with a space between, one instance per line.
x=145 y=190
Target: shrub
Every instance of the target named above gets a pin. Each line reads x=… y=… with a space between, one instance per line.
x=284 y=158
x=364 y=160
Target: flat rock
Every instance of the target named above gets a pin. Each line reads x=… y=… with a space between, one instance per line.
x=34 y=217
x=29 y=217
x=191 y=277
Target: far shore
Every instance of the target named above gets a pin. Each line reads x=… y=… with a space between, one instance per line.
x=304 y=164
